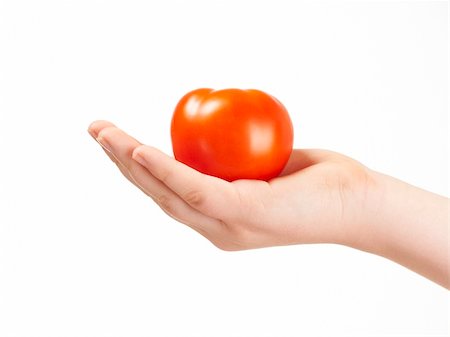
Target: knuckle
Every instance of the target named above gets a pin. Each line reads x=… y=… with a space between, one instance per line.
x=226 y=246
x=165 y=203
x=240 y=237
x=194 y=198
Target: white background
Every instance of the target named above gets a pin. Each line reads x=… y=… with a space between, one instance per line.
x=84 y=253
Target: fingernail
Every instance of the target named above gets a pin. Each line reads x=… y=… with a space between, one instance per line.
x=139 y=159
x=102 y=141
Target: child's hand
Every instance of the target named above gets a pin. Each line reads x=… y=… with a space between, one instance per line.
x=318 y=198
x=321 y=196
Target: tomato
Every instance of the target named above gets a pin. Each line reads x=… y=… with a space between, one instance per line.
x=232 y=134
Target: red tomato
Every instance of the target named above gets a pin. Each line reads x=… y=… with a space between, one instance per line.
x=232 y=134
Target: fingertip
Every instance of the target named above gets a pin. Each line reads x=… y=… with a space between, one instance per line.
x=98 y=125
x=106 y=131
x=146 y=151
x=138 y=150
x=138 y=155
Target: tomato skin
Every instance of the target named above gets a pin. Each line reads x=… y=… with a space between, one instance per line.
x=232 y=133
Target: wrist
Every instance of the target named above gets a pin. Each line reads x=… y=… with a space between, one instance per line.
x=367 y=203
x=405 y=224
x=366 y=230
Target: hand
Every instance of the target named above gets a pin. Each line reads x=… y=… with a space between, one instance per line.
x=320 y=196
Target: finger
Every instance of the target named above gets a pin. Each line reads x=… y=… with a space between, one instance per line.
x=118 y=143
x=301 y=159
x=94 y=130
x=121 y=146
x=210 y=195
x=95 y=127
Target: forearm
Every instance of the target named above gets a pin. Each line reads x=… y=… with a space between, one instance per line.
x=409 y=226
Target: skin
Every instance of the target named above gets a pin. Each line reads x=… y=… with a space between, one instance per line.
x=320 y=197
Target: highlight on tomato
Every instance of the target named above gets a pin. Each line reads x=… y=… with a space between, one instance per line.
x=232 y=133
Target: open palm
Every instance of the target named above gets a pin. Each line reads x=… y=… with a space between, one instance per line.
x=317 y=198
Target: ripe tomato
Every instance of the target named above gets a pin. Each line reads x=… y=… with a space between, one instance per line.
x=232 y=134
